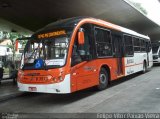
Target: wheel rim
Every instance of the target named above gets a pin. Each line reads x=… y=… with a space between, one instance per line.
x=103 y=78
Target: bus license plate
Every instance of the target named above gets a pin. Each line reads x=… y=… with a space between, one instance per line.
x=32 y=88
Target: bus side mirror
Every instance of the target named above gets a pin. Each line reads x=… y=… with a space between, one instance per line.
x=80 y=37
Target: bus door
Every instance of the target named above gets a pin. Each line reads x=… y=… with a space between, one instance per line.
x=118 y=50
x=83 y=68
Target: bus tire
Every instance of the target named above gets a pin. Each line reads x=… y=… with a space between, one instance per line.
x=103 y=79
x=144 y=67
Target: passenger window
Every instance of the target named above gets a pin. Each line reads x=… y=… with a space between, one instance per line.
x=128 y=45
x=143 y=45
x=148 y=46
x=103 y=42
x=137 y=44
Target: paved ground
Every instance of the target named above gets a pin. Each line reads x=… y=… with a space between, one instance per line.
x=138 y=93
x=8 y=90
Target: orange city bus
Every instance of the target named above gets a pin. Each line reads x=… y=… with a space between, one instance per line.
x=78 y=53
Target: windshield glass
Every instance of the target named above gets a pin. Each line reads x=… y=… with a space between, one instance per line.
x=46 y=53
x=155 y=49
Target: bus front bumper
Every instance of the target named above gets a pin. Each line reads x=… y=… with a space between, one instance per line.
x=156 y=60
x=58 y=88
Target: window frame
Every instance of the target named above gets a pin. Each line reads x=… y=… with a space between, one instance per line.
x=148 y=49
x=135 y=45
x=111 y=43
x=143 y=45
x=126 y=55
x=91 y=41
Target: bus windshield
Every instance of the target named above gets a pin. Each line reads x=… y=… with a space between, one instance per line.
x=155 y=49
x=46 y=53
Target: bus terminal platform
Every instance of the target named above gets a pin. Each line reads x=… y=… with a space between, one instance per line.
x=8 y=89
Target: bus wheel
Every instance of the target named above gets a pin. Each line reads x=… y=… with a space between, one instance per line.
x=144 y=67
x=103 y=79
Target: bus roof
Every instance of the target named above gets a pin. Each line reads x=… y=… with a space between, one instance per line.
x=69 y=22
x=72 y=22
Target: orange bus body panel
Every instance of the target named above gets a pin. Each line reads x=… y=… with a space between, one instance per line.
x=86 y=74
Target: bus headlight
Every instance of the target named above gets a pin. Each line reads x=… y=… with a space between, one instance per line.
x=49 y=77
x=60 y=78
x=55 y=79
x=20 y=75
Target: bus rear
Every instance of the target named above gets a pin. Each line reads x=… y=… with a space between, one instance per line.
x=156 y=52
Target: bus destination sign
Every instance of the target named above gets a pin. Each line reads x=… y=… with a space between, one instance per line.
x=51 y=34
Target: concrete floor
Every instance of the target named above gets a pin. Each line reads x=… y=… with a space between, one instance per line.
x=138 y=93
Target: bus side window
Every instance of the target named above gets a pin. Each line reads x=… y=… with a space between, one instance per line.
x=103 y=42
x=75 y=55
x=137 y=44
x=128 y=45
x=143 y=45
x=148 y=46
x=82 y=53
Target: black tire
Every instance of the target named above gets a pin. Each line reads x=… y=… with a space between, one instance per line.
x=103 y=79
x=144 y=67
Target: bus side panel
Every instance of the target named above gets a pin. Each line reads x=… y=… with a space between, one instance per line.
x=112 y=65
x=134 y=64
x=86 y=74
